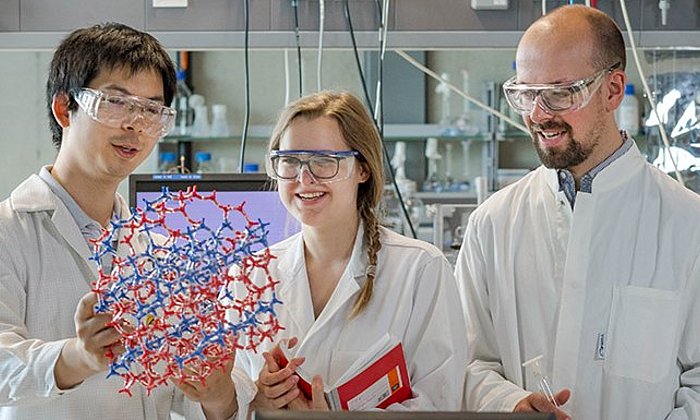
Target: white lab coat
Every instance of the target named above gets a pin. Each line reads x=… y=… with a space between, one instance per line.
x=414 y=299
x=44 y=271
x=608 y=293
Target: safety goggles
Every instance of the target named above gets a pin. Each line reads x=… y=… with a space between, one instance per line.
x=114 y=111
x=556 y=98
x=324 y=166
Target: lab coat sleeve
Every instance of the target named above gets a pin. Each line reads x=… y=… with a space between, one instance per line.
x=486 y=387
x=26 y=365
x=245 y=392
x=189 y=409
x=192 y=410
x=435 y=341
x=688 y=394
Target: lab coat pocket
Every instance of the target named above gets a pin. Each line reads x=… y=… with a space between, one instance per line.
x=642 y=333
x=341 y=362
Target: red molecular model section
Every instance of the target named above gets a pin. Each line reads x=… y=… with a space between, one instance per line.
x=179 y=307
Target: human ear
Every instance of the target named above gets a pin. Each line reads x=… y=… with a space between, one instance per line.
x=60 y=109
x=363 y=172
x=615 y=90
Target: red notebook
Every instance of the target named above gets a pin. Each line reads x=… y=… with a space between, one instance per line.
x=376 y=380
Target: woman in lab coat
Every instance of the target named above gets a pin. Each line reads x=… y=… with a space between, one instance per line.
x=345 y=281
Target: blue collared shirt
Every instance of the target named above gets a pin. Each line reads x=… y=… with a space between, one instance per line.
x=566 y=178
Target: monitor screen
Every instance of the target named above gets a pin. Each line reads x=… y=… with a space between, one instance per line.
x=396 y=415
x=261 y=202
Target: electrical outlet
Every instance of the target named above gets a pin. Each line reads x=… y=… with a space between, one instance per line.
x=169 y=3
x=489 y=4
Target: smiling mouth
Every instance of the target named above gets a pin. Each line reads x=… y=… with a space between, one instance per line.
x=551 y=134
x=310 y=196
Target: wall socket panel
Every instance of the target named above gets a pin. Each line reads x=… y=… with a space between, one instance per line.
x=169 y=3
x=489 y=4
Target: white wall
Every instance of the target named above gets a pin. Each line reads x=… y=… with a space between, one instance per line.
x=25 y=143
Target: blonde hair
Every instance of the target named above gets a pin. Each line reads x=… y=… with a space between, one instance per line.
x=360 y=134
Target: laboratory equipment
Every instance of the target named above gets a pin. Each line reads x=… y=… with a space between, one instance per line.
x=464 y=123
x=181 y=103
x=432 y=182
x=443 y=90
x=168 y=162
x=481 y=188
x=406 y=186
x=450 y=184
x=449 y=221
x=399 y=159
x=200 y=125
x=627 y=114
x=465 y=185
x=664 y=6
x=542 y=381
x=250 y=168
x=677 y=100
x=203 y=161
x=390 y=208
x=219 y=122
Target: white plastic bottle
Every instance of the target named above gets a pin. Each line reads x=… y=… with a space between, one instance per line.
x=628 y=112
x=219 y=123
x=200 y=125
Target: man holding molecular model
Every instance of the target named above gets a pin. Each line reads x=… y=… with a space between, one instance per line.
x=107 y=95
x=580 y=281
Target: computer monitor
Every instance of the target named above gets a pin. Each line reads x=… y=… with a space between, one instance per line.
x=396 y=415
x=261 y=201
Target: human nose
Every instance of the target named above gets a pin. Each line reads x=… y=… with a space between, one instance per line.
x=136 y=122
x=539 y=111
x=305 y=176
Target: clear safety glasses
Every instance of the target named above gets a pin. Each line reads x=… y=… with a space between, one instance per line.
x=114 y=111
x=324 y=166
x=555 y=99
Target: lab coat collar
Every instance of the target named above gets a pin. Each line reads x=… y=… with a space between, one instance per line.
x=295 y=290
x=34 y=195
x=620 y=171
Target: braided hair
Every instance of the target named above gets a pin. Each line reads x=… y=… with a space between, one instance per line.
x=360 y=134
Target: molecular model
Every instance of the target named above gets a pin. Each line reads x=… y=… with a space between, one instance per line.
x=180 y=313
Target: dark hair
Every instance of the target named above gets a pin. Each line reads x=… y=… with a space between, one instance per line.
x=87 y=51
x=359 y=133
x=608 y=43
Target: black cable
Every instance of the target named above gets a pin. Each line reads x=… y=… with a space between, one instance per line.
x=295 y=5
x=246 y=118
x=348 y=18
x=387 y=159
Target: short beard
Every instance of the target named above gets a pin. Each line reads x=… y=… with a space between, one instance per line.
x=574 y=153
